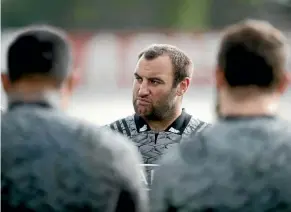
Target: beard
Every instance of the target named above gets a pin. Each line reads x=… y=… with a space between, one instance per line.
x=157 y=111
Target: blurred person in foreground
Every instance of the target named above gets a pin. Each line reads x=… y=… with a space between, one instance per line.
x=52 y=162
x=242 y=162
x=162 y=77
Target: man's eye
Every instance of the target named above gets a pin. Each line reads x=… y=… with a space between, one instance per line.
x=138 y=79
x=155 y=82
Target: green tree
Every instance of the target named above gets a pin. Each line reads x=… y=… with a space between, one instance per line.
x=193 y=14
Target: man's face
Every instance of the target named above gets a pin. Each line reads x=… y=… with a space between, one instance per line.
x=154 y=97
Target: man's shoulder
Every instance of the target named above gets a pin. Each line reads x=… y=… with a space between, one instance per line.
x=66 y=130
x=31 y=117
x=208 y=159
x=58 y=123
x=196 y=125
x=263 y=129
x=107 y=138
x=191 y=151
x=109 y=146
x=125 y=126
x=120 y=120
x=230 y=141
x=170 y=164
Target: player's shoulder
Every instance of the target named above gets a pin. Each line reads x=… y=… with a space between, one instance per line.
x=174 y=159
x=282 y=130
x=80 y=131
x=113 y=124
x=28 y=118
x=196 y=125
x=171 y=164
x=185 y=159
x=283 y=125
x=218 y=138
x=121 y=150
x=124 y=125
x=105 y=136
x=109 y=146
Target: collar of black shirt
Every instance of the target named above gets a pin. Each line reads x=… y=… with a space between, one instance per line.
x=177 y=127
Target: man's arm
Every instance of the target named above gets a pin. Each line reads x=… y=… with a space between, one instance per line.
x=158 y=192
x=133 y=195
x=165 y=179
x=123 y=159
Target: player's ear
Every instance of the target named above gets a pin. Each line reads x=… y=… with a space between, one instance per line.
x=284 y=83
x=71 y=82
x=183 y=86
x=68 y=87
x=219 y=78
x=5 y=82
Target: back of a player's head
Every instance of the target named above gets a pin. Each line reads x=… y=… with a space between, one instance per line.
x=252 y=53
x=40 y=50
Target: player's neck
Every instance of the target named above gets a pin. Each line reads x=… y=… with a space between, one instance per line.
x=32 y=86
x=35 y=93
x=162 y=125
x=252 y=106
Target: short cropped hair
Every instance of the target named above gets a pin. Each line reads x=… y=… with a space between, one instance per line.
x=181 y=63
x=39 y=50
x=252 y=52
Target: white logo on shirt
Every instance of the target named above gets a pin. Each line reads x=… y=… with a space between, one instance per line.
x=147 y=179
x=174 y=130
x=144 y=128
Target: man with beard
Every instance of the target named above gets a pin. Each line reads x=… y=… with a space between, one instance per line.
x=162 y=77
x=242 y=162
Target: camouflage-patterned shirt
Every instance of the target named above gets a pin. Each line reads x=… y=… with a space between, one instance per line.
x=151 y=144
x=238 y=164
x=52 y=162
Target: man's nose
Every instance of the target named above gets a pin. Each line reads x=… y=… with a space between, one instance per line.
x=143 y=89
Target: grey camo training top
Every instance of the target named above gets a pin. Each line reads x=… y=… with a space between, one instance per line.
x=237 y=165
x=52 y=162
x=153 y=145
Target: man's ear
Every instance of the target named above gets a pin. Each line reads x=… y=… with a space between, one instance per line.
x=219 y=78
x=68 y=88
x=70 y=84
x=183 y=86
x=5 y=82
x=284 y=83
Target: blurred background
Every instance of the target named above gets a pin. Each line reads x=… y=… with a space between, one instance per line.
x=107 y=36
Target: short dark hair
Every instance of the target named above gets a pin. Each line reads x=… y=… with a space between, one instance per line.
x=182 y=64
x=39 y=50
x=252 y=52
